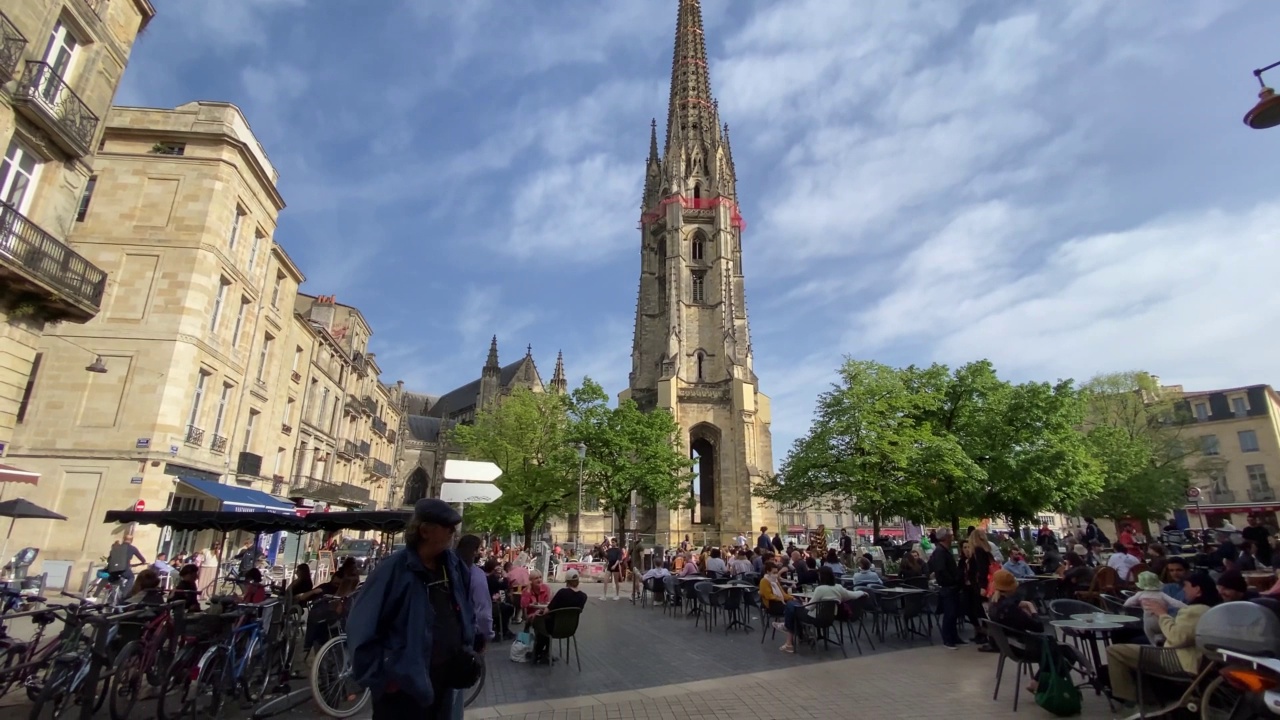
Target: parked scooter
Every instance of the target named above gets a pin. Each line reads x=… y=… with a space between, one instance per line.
x=1256 y=682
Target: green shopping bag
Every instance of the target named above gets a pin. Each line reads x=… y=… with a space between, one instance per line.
x=1055 y=691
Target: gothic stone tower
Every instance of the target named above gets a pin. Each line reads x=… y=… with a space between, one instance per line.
x=692 y=347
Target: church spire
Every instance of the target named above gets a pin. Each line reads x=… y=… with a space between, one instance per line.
x=653 y=168
x=690 y=113
x=491 y=364
x=559 y=384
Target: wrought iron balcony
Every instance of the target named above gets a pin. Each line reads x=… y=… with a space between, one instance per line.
x=195 y=436
x=391 y=436
x=12 y=43
x=32 y=260
x=379 y=426
x=296 y=376
x=352 y=405
x=277 y=484
x=348 y=449
x=1262 y=494
x=286 y=428
x=218 y=444
x=363 y=450
x=1219 y=497
x=47 y=100
x=354 y=494
x=315 y=489
x=369 y=405
x=377 y=467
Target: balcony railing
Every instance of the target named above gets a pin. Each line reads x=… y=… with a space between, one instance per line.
x=218 y=444
x=50 y=262
x=370 y=407
x=12 y=43
x=286 y=428
x=1262 y=494
x=379 y=426
x=391 y=436
x=363 y=450
x=195 y=436
x=378 y=467
x=1219 y=497
x=296 y=376
x=48 y=100
x=352 y=405
x=315 y=489
x=277 y=484
x=354 y=493
x=348 y=448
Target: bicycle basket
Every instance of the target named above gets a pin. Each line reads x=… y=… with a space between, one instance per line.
x=1244 y=627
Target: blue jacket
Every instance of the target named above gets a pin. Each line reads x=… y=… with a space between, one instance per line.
x=389 y=626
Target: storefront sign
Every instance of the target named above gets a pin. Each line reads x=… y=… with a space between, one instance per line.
x=593 y=571
x=143 y=444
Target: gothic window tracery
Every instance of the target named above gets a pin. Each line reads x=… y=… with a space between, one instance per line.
x=699 y=251
x=699 y=287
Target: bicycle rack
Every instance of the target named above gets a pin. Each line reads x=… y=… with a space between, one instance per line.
x=101 y=654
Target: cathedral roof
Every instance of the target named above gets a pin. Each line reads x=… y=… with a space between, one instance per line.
x=466 y=396
x=427 y=429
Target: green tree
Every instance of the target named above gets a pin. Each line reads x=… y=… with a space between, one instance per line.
x=865 y=448
x=1035 y=455
x=629 y=452
x=526 y=435
x=1141 y=439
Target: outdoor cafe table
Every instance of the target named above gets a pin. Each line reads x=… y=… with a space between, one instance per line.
x=1097 y=629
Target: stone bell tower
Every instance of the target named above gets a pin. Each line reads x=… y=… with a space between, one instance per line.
x=691 y=352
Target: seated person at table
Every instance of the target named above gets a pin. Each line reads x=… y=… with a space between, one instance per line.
x=146 y=588
x=1232 y=587
x=865 y=575
x=1052 y=560
x=1179 y=634
x=537 y=593
x=772 y=594
x=569 y=596
x=1245 y=561
x=833 y=562
x=715 y=564
x=1007 y=609
x=690 y=565
x=499 y=593
x=1149 y=588
x=826 y=590
x=1017 y=565
x=254 y=591
x=186 y=588
x=1174 y=572
x=911 y=566
x=302 y=582
x=741 y=564
x=1122 y=562
x=657 y=573
x=807 y=572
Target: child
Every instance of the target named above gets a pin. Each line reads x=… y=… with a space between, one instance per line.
x=1149 y=588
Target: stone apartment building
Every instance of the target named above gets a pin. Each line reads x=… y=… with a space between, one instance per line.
x=211 y=364
x=60 y=64
x=1238 y=430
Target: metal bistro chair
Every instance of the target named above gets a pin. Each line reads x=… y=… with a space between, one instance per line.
x=822 y=617
x=671 y=598
x=854 y=621
x=768 y=618
x=562 y=626
x=1019 y=647
x=710 y=600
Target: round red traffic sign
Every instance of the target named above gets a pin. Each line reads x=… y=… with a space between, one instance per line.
x=1193 y=493
x=140 y=506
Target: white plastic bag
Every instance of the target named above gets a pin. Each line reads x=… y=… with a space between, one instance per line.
x=520 y=652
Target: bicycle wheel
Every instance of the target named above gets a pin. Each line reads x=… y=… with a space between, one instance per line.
x=126 y=683
x=1220 y=701
x=473 y=692
x=11 y=653
x=176 y=685
x=54 y=697
x=331 y=685
x=206 y=696
x=258 y=670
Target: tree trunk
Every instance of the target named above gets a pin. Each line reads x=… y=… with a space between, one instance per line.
x=875 y=527
x=955 y=526
x=530 y=522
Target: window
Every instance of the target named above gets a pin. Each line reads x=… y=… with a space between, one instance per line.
x=30 y=388
x=1202 y=412
x=169 y=148
x=288 y=412
x=86 y=198
x=700 y=357
x=248 y=429
x=1257 y=476
x=218 y=297
x=235 y=334
x=60 y=54
x=699 y=287
x=699 y=247
x=1248 y=441
x=236 y=221
x=197 y=398
x=1238 y=407
x=275 y=292
x=223 y=400
x=280 y=454
x=253 y=250
x=18 y=175
x=324 y=405
x=297 y=359
x=1209 y=444
x=263 y=357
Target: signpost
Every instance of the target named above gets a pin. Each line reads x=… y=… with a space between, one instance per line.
x=475 y=482
x=140 y=506
x=1193 y=494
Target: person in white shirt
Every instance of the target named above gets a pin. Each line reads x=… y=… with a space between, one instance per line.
x=1122 y=562
x=740 y=564
x=715 y=564
x=657 y=573
x=826 y=590
x=740 y=541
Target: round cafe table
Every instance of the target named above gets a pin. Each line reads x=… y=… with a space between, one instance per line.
x=1104 y=619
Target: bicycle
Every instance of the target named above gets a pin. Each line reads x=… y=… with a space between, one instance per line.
x=108 y=587
x=239 y=663
x=142 y=659
x=22 y=660
x=70 y=662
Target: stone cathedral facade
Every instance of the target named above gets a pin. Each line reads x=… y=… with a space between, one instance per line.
x=691 y=351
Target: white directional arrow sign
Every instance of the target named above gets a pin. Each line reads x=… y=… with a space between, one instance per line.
x=471 y=471
x=469 y=492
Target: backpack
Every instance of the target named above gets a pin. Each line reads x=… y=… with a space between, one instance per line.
x=1055 y=690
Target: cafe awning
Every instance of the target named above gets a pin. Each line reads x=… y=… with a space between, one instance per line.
x=238 y=499
x=11 y=474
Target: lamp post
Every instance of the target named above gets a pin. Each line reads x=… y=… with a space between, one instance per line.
x=1266 y=114
x=582 y=458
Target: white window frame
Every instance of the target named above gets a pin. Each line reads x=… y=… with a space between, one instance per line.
x=275 y=293
x=253 y=249
x=60 y=38
x=219 y=297
x=1256 y=446
x=236 y=221
x=249 y=427
x=235 y=334
x=224 y=399
x=11 y=167
x=1254 y=477
x=1239 y=406
x=197 y=398
x=264 y=356
x=1202 y=411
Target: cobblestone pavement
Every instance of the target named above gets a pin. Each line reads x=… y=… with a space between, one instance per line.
x=927 y=682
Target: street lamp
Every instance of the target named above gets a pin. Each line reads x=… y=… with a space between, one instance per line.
x=582 y=458
x=1266 y=114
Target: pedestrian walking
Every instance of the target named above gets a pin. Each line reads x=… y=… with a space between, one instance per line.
x=946 y=572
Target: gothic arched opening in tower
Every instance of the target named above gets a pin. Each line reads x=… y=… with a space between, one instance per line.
x=415 y=488
x=704 y=485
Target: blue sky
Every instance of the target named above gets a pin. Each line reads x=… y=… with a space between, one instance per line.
x=1065 y=188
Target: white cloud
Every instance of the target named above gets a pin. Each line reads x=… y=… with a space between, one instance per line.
x=581 y=209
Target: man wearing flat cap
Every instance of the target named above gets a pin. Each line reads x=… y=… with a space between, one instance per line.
x=412 y=628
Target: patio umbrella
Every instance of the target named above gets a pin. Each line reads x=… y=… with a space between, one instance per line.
x=22 y=509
